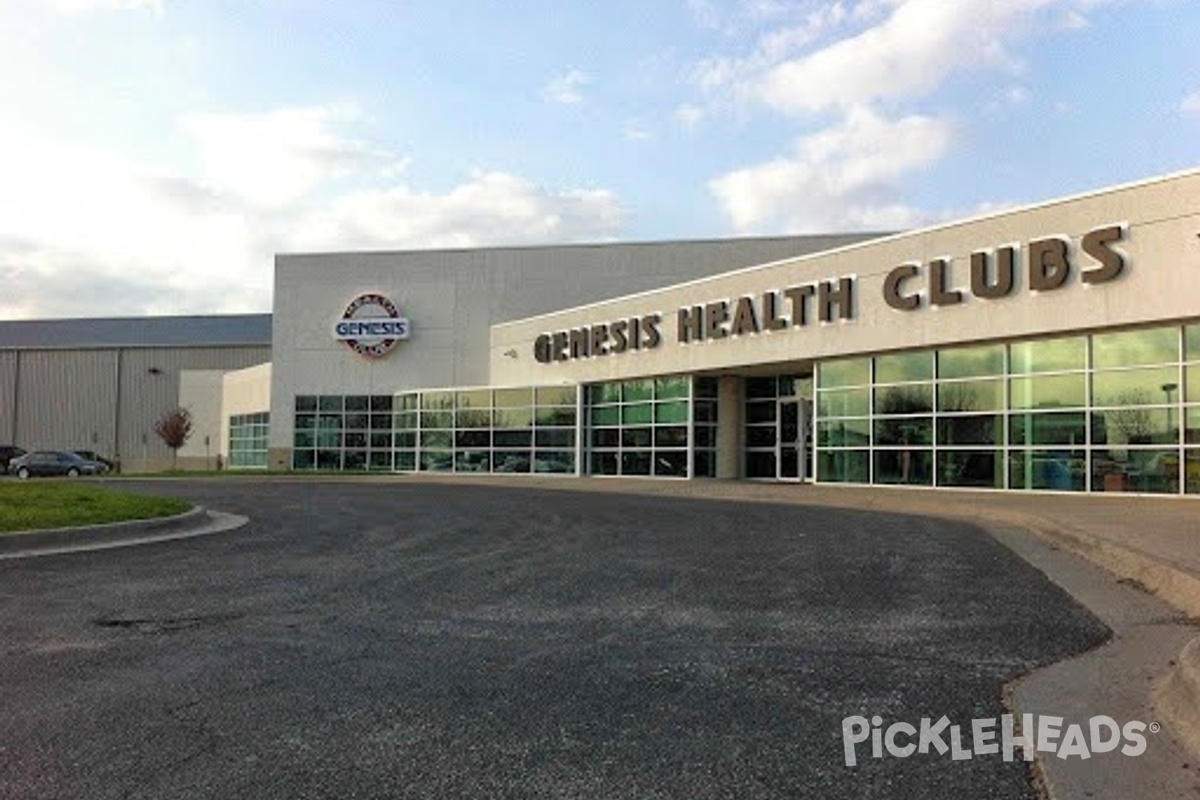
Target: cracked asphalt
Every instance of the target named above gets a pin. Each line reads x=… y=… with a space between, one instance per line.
x=363 y=640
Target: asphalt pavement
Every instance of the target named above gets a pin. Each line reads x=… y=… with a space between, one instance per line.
x=440 y=640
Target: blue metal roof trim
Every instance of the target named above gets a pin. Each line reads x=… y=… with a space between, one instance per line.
x=194 y=331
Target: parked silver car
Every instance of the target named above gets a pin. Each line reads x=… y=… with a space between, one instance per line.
x=52 y=462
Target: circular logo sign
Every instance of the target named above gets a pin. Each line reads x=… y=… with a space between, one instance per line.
x=371 y=325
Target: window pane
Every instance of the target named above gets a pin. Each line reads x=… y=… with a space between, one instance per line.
x=635 y=463
x=763 y=435
x=761 y=388
x=901 y=431
x=437 y=401
x=330 y=403
x=436 y=439
x=1192 y=475
x=437 y=419
x=904 y=367
x=604 y=393
x=406 y=461
x=847 y=372
x=1191 y=429
x=552 y=437
x=405 y=401
x=635 y=437
x=967 y=362
x=479 y=398
x=704 y=465
x=405 y=420
x=1048 y=355
x=632 y=391
x=640 y=414
x=760 y=464
x=984 y=395
x=1191 y=344
x=971 y=430
x=300 y=439
x=842 y=433
x=665 y=388
x=306 y=421
x=357 y=402
x=437 y=461
x=510 y=461
x=606 y=437
x=1052 y=391
x=555 y=395
x=554 y=461
x=512 y=398
x=673 y=436
x=1058 y=470
x=844 y=466
x=473 y=418
x=472 y=461
x=670 y=463
x=473 y=438
x=357 y=422
x=1127 y=348
x=844 y=403
x=304 y=459
x=306 y=402
x=913 y=467
x=1136 y=387
x=512 y=438
x=381 y=403
x=513 y=417
x=912 y=399
x=671 y=412
x=606 y=415
x=979 y=468
x=560 y=416
x=1135 y=426
x=604 y=464
x=1127 y=470
x=1067 y=427
x=761 y=412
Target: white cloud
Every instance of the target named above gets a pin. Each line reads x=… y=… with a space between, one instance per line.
x=566 y=88
x=490 y=208
x=275 y=158
x=636 y=130
x=87 y=233
x=907 y=53
x=689 y=115
x=1190 y=105
x=844 y=177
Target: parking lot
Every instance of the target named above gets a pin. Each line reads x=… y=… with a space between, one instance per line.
x=401 y=639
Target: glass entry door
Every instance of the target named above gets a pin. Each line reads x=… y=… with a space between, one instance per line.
x=793 y=440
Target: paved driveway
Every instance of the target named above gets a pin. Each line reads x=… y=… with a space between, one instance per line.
x=431 y=640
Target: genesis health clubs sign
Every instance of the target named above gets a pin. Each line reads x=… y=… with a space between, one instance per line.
x=371 y=325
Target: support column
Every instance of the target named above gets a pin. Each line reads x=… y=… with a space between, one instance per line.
x=730 y=427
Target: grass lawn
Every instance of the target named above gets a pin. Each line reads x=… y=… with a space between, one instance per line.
x=64 y=502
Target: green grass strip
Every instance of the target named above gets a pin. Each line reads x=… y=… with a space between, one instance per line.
x=63 y=503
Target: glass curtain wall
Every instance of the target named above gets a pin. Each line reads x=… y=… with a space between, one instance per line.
x=343 y=432
x=1106 y=412
x=704 y=428
x=248 y=440
x=512 y=430
x=761 y=423
x=641 y=427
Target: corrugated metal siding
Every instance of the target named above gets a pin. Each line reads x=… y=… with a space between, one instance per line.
x=66 y=399
x=8 y=397
x=147 y=395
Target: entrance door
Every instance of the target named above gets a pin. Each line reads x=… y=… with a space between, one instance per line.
x=792 y=440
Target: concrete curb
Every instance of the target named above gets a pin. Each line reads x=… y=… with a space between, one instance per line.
x=1178 y=699
x=196 y=521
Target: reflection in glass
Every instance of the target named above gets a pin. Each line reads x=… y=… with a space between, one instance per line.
x=1135 y=387
x=846 y=372
x=1048 y=355
x=1119 y=426
x=979 y=395
x=969 y=362
x=1133 y=470
x=904 y=367
x=891 y=431
x=1061 y=427
x=977 y=468
x=1063 y=470
x=1128 y=348
x=842 y=432
x=914 y=398
x=1048 y=391
x=971 y=430
x=844 y=466
x=844 y=403
x=910 y=466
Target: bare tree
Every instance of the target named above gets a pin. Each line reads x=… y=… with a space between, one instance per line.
x=174 y=428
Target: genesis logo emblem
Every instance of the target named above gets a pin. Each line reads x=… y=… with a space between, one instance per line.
x=371 y=325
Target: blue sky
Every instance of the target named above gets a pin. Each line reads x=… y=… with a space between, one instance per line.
x=156 y=154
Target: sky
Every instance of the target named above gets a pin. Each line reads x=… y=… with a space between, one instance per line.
x=155 y=155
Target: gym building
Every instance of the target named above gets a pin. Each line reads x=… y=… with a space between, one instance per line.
x=1054 y=347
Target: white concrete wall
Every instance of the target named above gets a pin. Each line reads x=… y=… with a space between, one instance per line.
x=200 y=393
x=1160 y=282
x=245 y=391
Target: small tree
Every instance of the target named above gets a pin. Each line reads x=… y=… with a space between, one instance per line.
x=174 y=428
